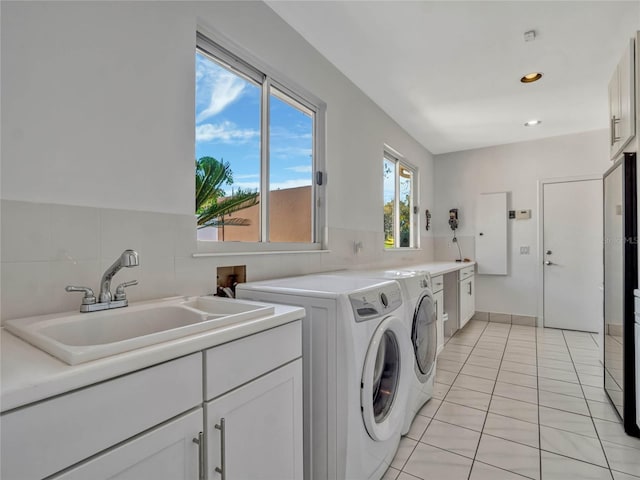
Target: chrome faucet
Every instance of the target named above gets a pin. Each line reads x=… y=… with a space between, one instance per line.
x=105 y=301
x=129 y=258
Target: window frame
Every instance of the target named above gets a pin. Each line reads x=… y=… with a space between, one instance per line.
x=223 y=51
x=414 y=219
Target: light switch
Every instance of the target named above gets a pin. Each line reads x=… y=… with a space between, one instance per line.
x=524 y=250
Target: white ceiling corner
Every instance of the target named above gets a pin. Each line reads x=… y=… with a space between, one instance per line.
x=452 y=68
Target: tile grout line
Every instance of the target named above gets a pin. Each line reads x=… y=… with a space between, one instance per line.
x=538 y=394
x=490 y=399
x=401 y=469
x=604 y=453
x=441 y=400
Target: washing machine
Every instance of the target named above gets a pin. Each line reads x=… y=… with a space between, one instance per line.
x=420 y=319
x=356 y=370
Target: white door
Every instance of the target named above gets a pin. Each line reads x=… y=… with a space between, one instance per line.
x=572 y=255
x=167 y=452
x=255 y=431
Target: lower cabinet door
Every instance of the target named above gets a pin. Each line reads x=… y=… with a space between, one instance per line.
x=438 y=300
x=467 y=300
x=167 y=452
x=255 y=431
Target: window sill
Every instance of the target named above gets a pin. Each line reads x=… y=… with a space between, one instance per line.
x=266 y=252
x=215 y=249
x=402 y=250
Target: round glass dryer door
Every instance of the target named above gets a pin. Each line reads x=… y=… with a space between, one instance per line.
x=383 y=388
x=423 y=336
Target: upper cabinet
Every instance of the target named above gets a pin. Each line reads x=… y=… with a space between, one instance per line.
x=622 y=125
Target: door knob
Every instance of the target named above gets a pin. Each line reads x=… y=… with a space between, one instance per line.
x=548 y=263
x=548 y=252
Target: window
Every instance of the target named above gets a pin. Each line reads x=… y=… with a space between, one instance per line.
x=399 y=201
x=255 y=153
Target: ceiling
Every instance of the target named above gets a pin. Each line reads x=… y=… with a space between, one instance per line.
x=448 y=72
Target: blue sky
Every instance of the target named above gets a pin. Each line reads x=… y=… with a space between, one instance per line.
x=228 y=128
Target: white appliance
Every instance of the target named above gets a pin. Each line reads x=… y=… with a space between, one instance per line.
x=356 y=370
x=420 y=319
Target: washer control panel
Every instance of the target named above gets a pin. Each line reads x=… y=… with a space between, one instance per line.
x=369 y=304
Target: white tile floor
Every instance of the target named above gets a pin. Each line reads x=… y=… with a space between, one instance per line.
x=514 y=402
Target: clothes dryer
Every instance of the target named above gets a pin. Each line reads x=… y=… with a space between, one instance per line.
x=421 y=322
x=356 y=370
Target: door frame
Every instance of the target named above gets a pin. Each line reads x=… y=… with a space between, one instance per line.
x=540 y=227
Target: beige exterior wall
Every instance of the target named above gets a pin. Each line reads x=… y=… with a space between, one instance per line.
x=289 y=218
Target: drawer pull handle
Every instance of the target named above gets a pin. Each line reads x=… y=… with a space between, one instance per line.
x=199 y=441
x=221 y=469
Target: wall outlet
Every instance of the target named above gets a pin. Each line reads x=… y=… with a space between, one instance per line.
x=524 y=250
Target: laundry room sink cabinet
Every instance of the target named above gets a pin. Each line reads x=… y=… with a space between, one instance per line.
x=467 y=294
x=231 y=411
x=254 y=429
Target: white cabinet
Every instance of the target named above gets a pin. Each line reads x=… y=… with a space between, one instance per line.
x=438 y=300
x=168 y=452
x=255 y=432
x=46 y=437
x=437 y=287
x=491 y=237
x=466 y=295
x=622 y=102
x=150 y=424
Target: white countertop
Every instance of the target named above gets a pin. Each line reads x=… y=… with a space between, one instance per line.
x=439 y=268
x=28 y=374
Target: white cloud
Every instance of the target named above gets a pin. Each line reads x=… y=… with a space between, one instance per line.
x=290 y=151
x=225 y=89
x=244 y=177
x=226 y=132
x=293 y=183
x=255 y=186
x=300 y=169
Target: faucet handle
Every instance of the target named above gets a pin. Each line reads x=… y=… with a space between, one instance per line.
x=88 y=299
x=120 y=295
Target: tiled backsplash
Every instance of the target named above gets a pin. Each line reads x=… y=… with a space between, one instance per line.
x=46 y=247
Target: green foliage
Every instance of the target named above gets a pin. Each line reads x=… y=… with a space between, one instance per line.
x=405 y=223
x=211 y=203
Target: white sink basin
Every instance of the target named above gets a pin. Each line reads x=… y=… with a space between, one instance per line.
x=80 y=337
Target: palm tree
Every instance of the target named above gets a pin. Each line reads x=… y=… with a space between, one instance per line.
x=212 y=204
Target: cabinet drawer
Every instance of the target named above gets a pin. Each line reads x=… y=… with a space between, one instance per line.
x=166 y=452
x=466 y=272
x=46 y=437
x=235 y=363
x=437 y=283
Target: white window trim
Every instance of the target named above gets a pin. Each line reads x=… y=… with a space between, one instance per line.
x=414 y=209
x=241 y=60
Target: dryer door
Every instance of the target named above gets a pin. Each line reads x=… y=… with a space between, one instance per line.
x=424 y=336
x=385 y=377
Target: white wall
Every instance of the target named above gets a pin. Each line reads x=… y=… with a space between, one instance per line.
x=514 y=168
x=98 y=146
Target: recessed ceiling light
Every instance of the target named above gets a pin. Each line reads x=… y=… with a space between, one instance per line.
x=532 y=123
x=531 y=77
